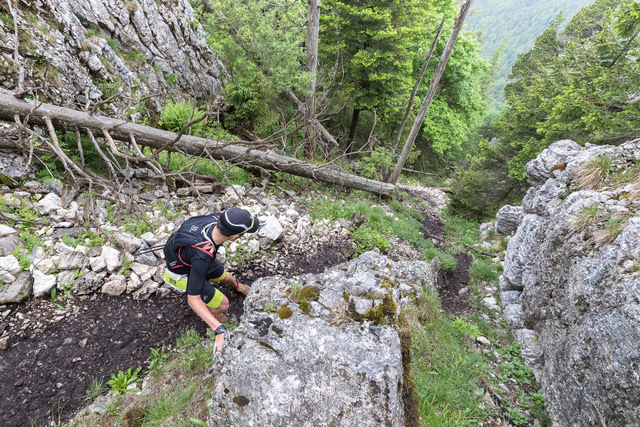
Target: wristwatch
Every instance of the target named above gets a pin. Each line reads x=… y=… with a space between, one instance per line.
x=221 y=330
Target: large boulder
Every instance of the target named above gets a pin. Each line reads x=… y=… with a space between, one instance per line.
x=571 y=288
x=314 y=359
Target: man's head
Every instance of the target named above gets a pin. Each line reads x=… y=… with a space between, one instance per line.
x=235 y=221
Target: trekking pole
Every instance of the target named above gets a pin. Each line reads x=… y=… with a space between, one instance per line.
x=149 y=249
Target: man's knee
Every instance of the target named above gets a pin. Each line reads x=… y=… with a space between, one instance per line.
x=224 y=304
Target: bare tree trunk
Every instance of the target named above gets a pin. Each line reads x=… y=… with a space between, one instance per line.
x=417 y=124
x=352 y=129
x=313 y=30
x=417 y=85
x=165 y=140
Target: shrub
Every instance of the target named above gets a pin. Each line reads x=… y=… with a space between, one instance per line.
x=376 y=164
x=119 y=383
x=159 y=356
x=176 y=116
x=22 y=257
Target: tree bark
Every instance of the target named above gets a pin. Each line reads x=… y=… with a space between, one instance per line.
x=313 y=30
x=352 y=129
x=431 y=92
x=416 y=86
x=156 y=138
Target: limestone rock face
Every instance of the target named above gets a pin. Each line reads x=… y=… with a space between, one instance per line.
x=508 y=218
x=571 y=286
x=313 y=360
x=93 y=48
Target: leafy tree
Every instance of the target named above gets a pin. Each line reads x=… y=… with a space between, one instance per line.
x=373 y=39
x=513 y=25
x=375 y=79
x=259 y=43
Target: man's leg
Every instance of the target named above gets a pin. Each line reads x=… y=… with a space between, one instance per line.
x=218 y=311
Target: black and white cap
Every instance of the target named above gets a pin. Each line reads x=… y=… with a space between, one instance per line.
x=237 y=221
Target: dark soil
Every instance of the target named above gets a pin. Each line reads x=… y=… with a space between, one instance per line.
x=450 y=283
x=433 y=228
x=49 y=365
x=47 y=370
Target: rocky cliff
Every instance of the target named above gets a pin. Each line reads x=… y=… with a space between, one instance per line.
x=76 y=49
x=571 y=283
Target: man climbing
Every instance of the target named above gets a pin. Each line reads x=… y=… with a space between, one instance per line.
x=191 y=262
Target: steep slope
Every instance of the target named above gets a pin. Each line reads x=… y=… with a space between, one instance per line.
x=79 y=49
x=571 y=283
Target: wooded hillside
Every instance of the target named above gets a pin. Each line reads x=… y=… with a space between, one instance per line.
x=510 y=27
x=578 y=82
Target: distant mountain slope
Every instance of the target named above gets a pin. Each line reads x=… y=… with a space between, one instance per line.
x=519 y=22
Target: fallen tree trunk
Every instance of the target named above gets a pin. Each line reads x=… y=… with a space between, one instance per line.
x=156 y=138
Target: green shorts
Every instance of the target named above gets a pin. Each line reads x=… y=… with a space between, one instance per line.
x=210 y=295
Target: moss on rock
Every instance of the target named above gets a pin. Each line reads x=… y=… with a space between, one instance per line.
x=285 y=312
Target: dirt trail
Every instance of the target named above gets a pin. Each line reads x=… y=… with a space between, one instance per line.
x=54 y=354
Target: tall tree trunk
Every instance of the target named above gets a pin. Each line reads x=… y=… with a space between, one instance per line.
x=431 y=92
x=417 y=85
x=165 y=140
x=313 y=30
x=352 y=129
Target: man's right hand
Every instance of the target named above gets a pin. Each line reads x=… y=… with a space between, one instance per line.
x=218 y=343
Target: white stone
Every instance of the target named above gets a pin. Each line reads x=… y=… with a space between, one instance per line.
x=71 y=261
x=116 y=286
x=128 y=241
x=112 y=257
x=153 y=239
x=133 y=283
x=490 y=303
x=5 y=230
x=97 y=263
x=143 y=270
x=42 y=283
x=10 y=264
x=47 y=265
x=270 y=231
x=49 y=203
x=253 y=245
x=63 y=248
x=6 y=277
x=221 y=255
x=483 y=340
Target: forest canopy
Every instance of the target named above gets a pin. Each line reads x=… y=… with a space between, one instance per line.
x=369 y=56
x=509 y=27
x=580 y=83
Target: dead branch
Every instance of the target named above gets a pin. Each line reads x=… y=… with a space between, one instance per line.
x=16 y=56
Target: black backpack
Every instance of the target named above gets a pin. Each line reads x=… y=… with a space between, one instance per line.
x=190 y=234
